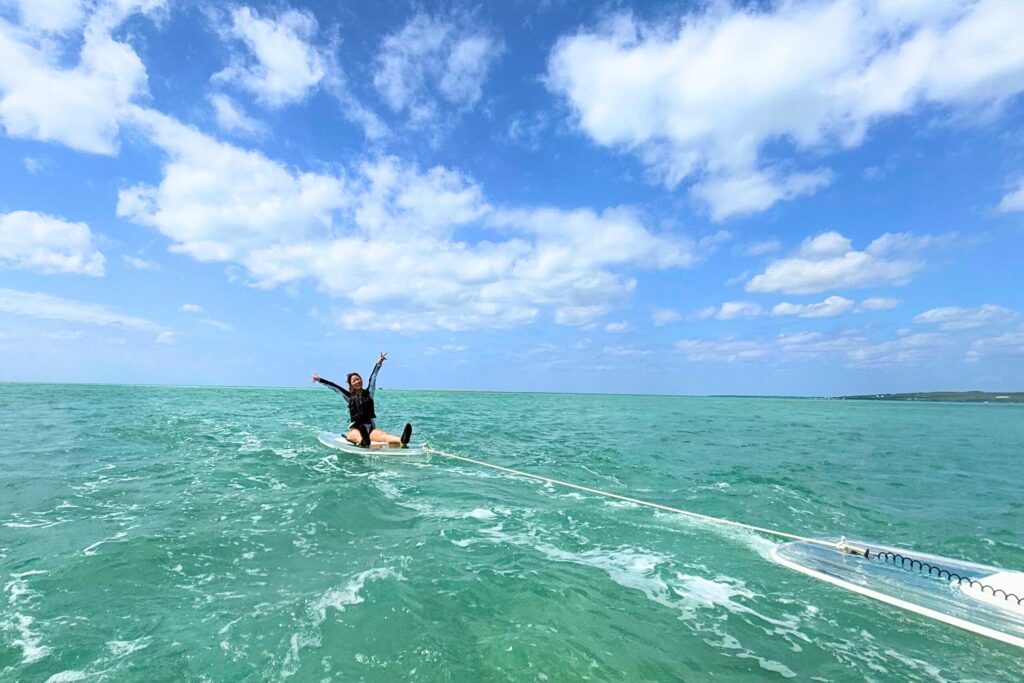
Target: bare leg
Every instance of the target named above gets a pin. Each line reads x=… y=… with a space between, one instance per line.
x=354 y=437
x=380 y=436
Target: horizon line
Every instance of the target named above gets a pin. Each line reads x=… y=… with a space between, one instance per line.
x=509 y=391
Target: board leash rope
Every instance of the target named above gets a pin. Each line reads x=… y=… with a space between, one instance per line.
x=842 y=545
x=637 y=501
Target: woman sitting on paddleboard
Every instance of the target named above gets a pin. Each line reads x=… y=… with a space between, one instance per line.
x=362 y=428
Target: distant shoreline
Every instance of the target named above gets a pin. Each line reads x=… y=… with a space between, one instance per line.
x=932 y=396
x=943 y=396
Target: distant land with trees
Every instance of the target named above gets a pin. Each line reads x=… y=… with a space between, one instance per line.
x=946 y=396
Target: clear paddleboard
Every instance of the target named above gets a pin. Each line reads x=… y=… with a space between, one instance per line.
x=340 y=443
x=975 y=597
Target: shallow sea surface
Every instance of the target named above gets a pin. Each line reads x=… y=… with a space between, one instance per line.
x=178 y=533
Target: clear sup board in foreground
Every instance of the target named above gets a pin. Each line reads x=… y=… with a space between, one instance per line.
x=975 y=597
x=340 y=443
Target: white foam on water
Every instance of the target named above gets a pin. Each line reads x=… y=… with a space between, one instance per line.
x=422 y=505
x=708 y=593
x=625 y=504
x=41 y=524
x=285 y=453
x=381 y=483
x=756 y=542
x=651 y=574
x=32 y=649
x=227 y=627
x=919 y=665
x=119 y=537
x=123 y=648
x=328 y=464
x=250 y=443
x=21 y=596
x=337 y=599
x=627 y=566
x=610 y=477
x=770 y=665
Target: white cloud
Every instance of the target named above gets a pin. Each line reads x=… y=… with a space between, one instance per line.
x=582 y=316
x=910 y=349
x=1001 y=346
x=951 y=318
x=687 y=98
x=759 y=248
x=466 y=69
x=526 y=130
x=223 y=327
x=233 y=120
x=738 y=309
x=409 y=249
x=730 y=310
x=664 y=316
x=710 y=243
x=1013 y=200
x=281 y=65
x=445 y=348
x=355 y=111
x=219 y=202
x=878 y=303
x=753 y=192
x=616 y=327
x=880 y=172
x=627 y=351
x=830 y=307
x=191 y=308
x=804 y=345
x=429 y=60
x=82 y=106
x=65 y=335
x=33 y=165
x=277 y=59
x=39 y=305
x=51 y=16
x=36 y=241
x=139 y=263
x=724 y=350
x=737 y=279
x=829 y=261
x=165 y=338
x=849 y=347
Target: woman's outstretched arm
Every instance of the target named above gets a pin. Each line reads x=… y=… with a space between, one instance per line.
x=372 y=384
x=331 y=385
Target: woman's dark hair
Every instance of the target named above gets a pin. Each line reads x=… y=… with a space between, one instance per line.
x=351 y=375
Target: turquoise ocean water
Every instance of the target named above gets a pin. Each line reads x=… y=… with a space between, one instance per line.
x=172 y=533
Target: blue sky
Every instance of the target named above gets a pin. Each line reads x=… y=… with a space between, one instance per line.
x=811 y=198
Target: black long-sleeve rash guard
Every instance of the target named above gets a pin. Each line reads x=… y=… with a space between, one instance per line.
x=360 y=407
